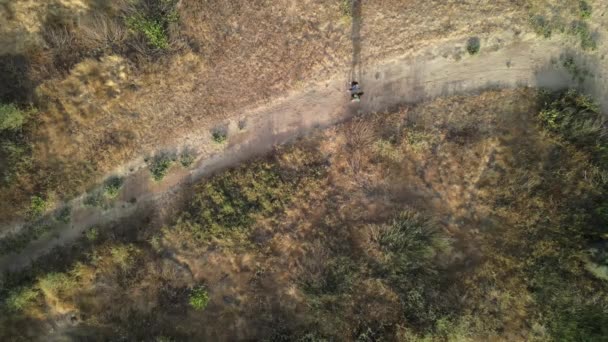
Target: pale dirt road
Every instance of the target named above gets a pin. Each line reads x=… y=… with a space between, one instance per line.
x=420 y=76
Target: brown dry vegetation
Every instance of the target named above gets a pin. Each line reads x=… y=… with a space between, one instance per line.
x=467 y=218
x=105 y=96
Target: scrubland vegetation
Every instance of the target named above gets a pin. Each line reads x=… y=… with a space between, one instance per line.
x=91 y=84
x=466 y=218
x=575 y=24
x=485 y=224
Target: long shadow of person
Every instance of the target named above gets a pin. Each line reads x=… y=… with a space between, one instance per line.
x=355 y=73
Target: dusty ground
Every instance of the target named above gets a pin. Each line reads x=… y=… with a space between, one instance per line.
x=107 y=110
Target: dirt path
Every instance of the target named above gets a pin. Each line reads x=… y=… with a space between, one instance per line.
x=406 y=80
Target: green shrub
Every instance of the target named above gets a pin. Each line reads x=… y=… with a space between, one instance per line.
x=585 y=9
x=160 y=165
x=411 y=242
x=112 y=187
x=153 y=30
x=19 y=299
x=541 y=26
x=11 y=117
x=338 y=277
x=123 y=256
x=220 y=136
x=576 y=118
x=64 y=215
x=38 y=206
x=577 y=72
x=152 y=20
x=579 y=323
x=95 y=199
x=199 y=298
x=92 y=234
x=16 y=242
x=231 y=200
x=473 y=45
x=186 y=158
x=581 y=29
x=17 y=154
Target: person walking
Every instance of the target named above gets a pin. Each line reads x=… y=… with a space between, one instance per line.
x=355 y=91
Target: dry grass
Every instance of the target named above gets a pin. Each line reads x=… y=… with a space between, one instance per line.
x=100 y=116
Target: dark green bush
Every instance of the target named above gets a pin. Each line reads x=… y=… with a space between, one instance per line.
x=186 y=158
x=112 y=187
x=160 y=165
x=581 y=30
x=576 y=118
x=473 y=45
x=585 y=9
x=411 y=242
x=95 y=199
x=64 y=215
x=219 y=136
x=541 y=26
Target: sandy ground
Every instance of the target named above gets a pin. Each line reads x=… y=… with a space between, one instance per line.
x=422 y=75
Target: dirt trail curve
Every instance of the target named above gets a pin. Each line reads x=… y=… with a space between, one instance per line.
x=421 y=76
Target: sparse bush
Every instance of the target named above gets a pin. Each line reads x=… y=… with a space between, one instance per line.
x=186 y=158
x=123 y=256
x=112 y=187
x=576 y=118
x=338 y=277
x=411 y=242
x=64 y=215
x=473 y=45
x=219 y=136
x=11 y=117
x=199 y=298
x=585 y=9
x=16 y=242
x=18 y=159
x=95 y=199
x=38 y=206
x=230 y=200
x=581 y=29
x=92 y=234
x=541 y=26
x=160 y=165
x=420 y=140
x=388 y=151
